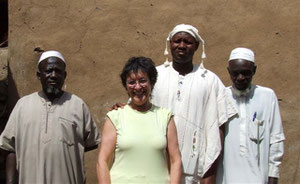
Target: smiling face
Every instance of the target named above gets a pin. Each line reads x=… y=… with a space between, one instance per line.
x=139 y=89
x=183 y=47
x=241 y=72
x=52 y=75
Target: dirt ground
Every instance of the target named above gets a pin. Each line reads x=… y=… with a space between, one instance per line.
x=97 y=37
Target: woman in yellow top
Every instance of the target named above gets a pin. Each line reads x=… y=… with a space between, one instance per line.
x=142 y=136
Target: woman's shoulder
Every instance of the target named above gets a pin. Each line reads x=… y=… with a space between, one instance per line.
x=160 y=109
x=163 y=113
x=116 y=115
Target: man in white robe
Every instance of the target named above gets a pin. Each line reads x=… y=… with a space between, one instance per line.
x=253 y=146
x=199 y=102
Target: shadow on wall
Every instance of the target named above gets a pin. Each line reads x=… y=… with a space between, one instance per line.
x=8 y=98
x=8 y=91
x=13 y=95
x=4 y=114
x=3 y=23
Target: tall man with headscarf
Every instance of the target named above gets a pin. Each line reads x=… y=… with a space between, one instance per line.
x=199 y=102
x=50 y=130
x=253 y=146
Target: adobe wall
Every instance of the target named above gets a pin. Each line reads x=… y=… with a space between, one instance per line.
x=97 y=37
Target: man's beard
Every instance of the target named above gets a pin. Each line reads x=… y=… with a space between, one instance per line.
x=51 y=90
x=238 y=92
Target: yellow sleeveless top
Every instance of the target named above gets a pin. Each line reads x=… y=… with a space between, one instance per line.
x=140 y=153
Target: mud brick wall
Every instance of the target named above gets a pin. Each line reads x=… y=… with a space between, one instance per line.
x=97 y=37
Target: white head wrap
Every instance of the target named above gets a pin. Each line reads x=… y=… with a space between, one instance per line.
x=242 y=53
x=190 y=30
x=51 y=53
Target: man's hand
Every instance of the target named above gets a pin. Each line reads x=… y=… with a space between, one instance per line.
x=11 y=171
x=273 y=180
x=208 y=180
x=116 y=106
x=210 y=175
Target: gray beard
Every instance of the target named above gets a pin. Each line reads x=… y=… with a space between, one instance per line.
x=237 y=92
x=53 y=90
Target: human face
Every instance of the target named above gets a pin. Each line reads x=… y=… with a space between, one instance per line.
x=183 y=47
x=52 y=75
x=139 y=89
x=241 y=72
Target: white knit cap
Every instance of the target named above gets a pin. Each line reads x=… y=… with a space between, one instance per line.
x=190 y=30
x=242 y=53
x=51 y=53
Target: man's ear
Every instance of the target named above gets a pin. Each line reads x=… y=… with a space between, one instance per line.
x=228 y=70
x=38 y=75
x=254 y=69
x=65 y=74
x=196 y=46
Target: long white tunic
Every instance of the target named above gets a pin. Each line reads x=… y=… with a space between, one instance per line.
x=253 y=145
x=200 y=105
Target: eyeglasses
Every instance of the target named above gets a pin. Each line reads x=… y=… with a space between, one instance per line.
x=134 y=83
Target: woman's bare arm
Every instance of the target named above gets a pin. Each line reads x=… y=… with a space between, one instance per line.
x=174 y=154
x=108 y=144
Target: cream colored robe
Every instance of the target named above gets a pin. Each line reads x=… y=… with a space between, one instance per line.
x=200 y=106
x=49 y=138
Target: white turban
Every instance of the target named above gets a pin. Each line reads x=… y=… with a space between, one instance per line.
x=185 y=28
x=51 y=53
x=242 y=53
x=190 y=30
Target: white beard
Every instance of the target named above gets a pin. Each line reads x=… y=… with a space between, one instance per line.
x=237 y=92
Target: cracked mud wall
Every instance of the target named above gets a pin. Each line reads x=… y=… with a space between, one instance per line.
x=97 y=37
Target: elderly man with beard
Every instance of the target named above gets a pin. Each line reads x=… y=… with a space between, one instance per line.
x=253 y=146
x=199 y=102
x=50 y=130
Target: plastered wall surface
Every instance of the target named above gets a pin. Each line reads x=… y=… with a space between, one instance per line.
x=97 y=37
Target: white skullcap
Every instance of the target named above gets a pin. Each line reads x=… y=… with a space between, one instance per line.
x=190 y=30
x=242 y=53
x=51 y=53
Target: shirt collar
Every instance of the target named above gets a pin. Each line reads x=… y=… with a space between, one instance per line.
x=45 y=99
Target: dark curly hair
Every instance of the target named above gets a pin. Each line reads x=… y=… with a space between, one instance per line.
x=139 y=63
